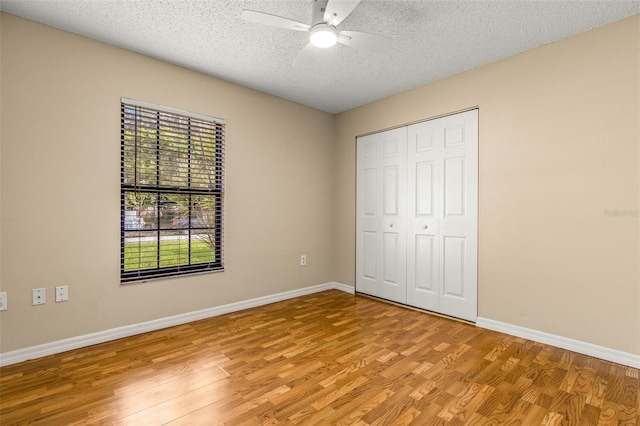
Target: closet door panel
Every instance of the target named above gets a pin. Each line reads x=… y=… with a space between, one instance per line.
x=425 y=278
x=459 y=216
x=453 y=274
x=423 y=201
x=368 y=269
x=454 y=187
x=393 y=285
x=381 y=215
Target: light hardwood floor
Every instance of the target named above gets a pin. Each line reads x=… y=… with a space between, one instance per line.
x=328 y=358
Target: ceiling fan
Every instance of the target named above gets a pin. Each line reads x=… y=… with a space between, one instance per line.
x=326 y=15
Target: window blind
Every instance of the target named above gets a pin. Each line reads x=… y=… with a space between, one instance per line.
x=172 y=192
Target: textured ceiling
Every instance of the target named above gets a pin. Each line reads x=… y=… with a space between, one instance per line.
x=432 y=39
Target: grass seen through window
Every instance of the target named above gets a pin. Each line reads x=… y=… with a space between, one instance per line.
x=144 y=255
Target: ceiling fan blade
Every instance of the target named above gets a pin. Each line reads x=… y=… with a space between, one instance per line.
x=303 y=57
x=273 y=20
x=365 y=41
x=337 y=10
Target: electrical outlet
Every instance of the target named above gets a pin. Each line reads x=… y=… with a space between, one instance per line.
x=62 y=293
x=38 y=296
x=303 y=260
x=3 y=300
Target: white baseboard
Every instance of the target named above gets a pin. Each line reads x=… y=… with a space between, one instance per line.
x=343 y=287
x=59 y=346
x=51 y=348
x=585 y=348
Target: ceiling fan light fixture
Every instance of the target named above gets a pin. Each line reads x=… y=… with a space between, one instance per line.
x=323 y=36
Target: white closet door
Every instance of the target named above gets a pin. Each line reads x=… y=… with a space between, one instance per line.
x=381 y=215
x=442 y=219
x=424 y=142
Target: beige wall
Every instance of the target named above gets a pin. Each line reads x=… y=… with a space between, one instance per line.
x=60 y=173
x=559 y=145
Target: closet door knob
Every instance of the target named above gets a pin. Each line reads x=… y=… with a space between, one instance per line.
x=426 y=226
x=391 y=225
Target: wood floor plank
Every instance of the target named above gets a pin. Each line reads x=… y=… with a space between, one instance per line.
x=323 y=359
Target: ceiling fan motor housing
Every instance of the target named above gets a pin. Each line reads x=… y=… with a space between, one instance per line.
x=323 y=35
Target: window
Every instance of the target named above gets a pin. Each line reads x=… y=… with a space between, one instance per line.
x=172 y=192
